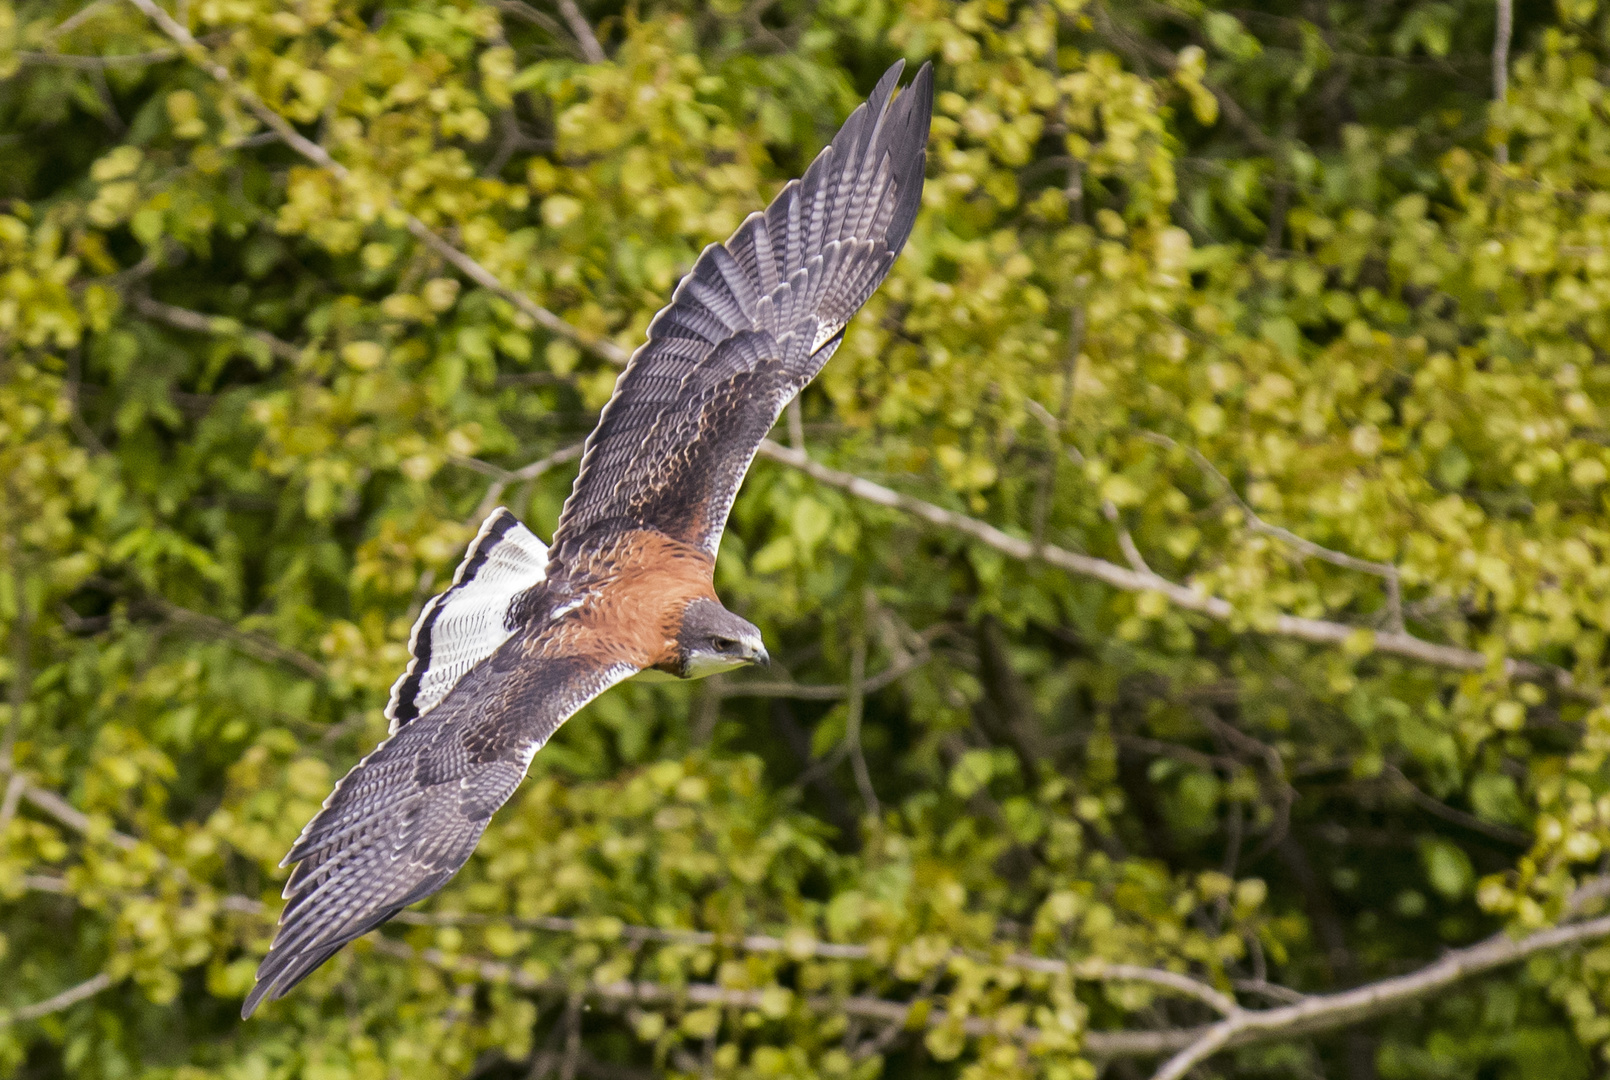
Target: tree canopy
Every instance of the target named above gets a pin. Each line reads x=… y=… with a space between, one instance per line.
x=1189 y=582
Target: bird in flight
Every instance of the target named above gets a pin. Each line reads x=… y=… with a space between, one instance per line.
x=526 y=634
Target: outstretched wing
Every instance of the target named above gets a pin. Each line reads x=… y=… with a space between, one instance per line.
x=406 y=818
x=468 y=621
x=750 y=325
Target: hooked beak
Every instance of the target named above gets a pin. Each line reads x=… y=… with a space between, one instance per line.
x=761 y=657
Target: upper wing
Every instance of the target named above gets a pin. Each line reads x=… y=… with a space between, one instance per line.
x=750 y=325
x=468 y=621
x=406 y=818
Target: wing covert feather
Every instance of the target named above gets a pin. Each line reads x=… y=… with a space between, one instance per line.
x=406 y=818
x=748 y=327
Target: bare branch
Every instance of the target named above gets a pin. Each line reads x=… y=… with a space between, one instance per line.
x=1240 y=1027
x=258 y=645
x=1126 y=543
x=796 y=424
x=20 y=679
x=67 y=998
x=196 y=322
x=1092 y=969
x=1501 y=36
x=628 y=992
x=584 y=32
x=1318 y=631
x=96 y=63
x=825 y=692
x=1438 y=808
x=1331 y=1011
x=520 y=9
x=1386 y=571
x=854 y=709
x=502 y=479
x=73 y=22
x=319 y=156
x=14 y=791
x=67 y=814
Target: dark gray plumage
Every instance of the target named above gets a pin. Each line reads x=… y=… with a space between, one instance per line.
x=522 y=640
x=752 y=323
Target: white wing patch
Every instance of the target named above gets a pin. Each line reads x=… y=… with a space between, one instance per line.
x=466 y=623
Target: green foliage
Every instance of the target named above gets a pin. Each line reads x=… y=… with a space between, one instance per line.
x=1247 y=293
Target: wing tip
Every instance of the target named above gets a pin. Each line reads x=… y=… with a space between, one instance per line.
x=298 y=951
x=253 y=999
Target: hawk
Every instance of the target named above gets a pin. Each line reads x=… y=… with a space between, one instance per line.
x=527 y=634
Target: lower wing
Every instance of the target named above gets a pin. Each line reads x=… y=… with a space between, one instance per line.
x=406 y=818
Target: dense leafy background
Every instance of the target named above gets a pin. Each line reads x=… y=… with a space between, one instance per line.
x=1185 y=273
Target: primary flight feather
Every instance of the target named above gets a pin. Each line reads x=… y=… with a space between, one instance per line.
x=527 y=635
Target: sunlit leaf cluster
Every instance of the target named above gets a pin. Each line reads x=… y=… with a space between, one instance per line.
x=1268 y=305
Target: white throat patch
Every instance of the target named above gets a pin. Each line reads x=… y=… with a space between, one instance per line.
x=702 y=664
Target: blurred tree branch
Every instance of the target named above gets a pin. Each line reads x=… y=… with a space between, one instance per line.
x=1318 y=631
x=312 y=151
x=66 y=999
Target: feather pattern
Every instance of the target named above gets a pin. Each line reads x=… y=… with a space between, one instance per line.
x=407 y=817
x=465 y=624
x=524 y=637
x=748 y=327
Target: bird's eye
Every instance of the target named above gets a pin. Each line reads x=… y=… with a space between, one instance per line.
x=724 y=644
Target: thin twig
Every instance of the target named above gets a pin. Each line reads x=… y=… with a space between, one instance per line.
x=73 y=22
x=584 y=33
x=20 y=678
x=826 y=691
x=1501 y=36
x=1437 y=808
x=258 y=645
x=15 y=787
x=537 y=18
x=1386 y=571
x=1324 y=1013
x=315 y=153
x=1272 y=991
x=1090 y=969
x=886 y=1038
x=220 y=325
x=1046 y=488
x=96 y=63
x=1318 y=631
x=1285 y=795
x=1140 y=50
x=503 y=478
x=75 y=413
x=796 y=424
x=854 y=710
x=67 y=998
x=71 y=816
x=1126 y=543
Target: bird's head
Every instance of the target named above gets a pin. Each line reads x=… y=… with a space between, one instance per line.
x=713 y=639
